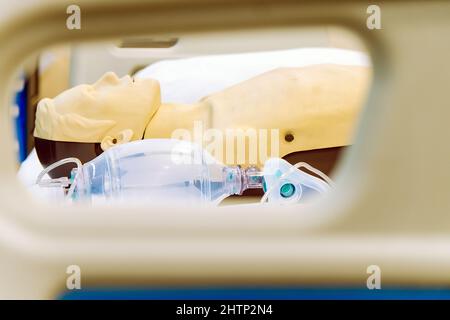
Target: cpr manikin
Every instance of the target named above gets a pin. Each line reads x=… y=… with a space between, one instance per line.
x=318 y=105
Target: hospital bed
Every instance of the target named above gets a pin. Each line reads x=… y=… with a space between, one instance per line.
x=388 y=208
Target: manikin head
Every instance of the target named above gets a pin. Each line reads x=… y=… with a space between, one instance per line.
x=86 y=120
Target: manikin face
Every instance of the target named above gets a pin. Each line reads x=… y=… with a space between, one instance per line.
x=111 y=109
x=86 y=120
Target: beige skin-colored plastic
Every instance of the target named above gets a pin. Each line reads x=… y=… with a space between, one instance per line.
x=318 y=105
x=390 y=206
x=110 y=109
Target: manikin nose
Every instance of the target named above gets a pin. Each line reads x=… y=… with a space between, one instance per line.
x=108 y=78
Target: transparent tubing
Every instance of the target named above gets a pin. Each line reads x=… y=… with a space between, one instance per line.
x=237 y=181
x=59 y=182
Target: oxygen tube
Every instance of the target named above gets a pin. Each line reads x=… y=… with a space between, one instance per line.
x=63 y=182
